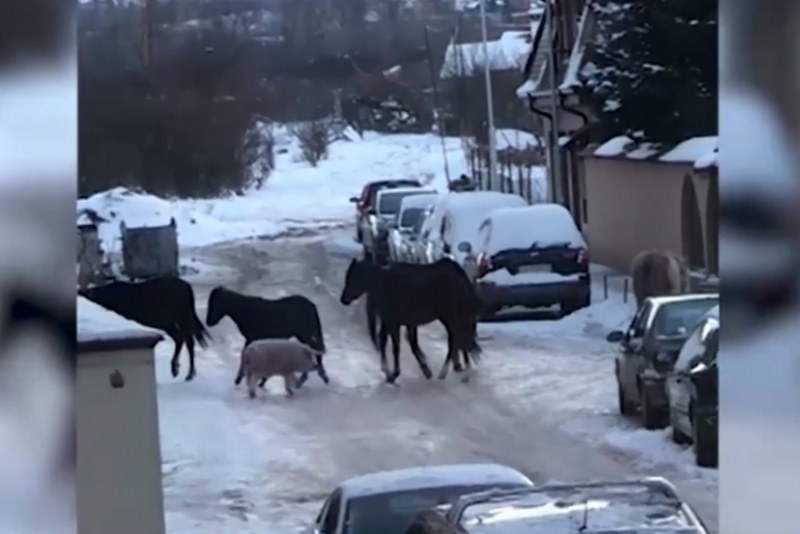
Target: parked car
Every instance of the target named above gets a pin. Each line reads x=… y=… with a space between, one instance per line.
x=644 y=505
x=366 y=201
x=402 y=235
x=455 y=218
x=379 y=219
x=649 y=349
x=692 y=388
x=530 y=256
x=386 y=502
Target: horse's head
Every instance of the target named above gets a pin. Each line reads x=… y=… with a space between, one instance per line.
x=216 y=306
x=356 y=281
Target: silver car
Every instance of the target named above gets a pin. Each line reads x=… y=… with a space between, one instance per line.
x=387 y=501
x=403 y=235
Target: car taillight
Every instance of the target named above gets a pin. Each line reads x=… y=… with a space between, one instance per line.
x=583 y=257
x=484 y=264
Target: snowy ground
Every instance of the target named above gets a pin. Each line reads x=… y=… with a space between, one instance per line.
x=235 y=465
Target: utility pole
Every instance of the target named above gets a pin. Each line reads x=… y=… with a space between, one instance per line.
x=556 y=194
x=493 y=181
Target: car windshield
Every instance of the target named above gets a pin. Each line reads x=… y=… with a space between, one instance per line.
x=679 y=318
x=392 y=513
x=389 y=202
x=411 y=217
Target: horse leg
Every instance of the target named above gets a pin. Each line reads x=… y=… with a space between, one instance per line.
x=190 y=348
x=422 y=360
x=371 y=321
x=395 y=334
x=323 y=374
x=175 y=364
x=383 y=337
x=452 y=354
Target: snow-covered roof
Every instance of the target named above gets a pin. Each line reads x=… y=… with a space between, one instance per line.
x=700 y=152
x=544 y=224
x=691 y=150
x=509 y=52
x=96 y=323
x=432 y=477
x=421 y=200
x=391 y=191
x=576 y=55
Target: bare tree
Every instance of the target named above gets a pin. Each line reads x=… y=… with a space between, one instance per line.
x=314 y=137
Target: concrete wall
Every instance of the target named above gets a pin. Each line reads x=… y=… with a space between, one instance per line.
x=119 y=457
x=634 y=206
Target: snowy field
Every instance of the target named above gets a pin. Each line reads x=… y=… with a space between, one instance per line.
x=562 y=366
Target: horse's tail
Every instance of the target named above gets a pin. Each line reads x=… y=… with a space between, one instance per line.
x=317 y=341
x=196 y=329
x=199 y=332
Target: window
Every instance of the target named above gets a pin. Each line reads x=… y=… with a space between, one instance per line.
x=332 y=516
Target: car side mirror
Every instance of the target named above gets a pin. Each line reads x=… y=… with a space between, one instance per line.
x=371 y=211
x=354 y=199
x=465 y=247
x=615 y=336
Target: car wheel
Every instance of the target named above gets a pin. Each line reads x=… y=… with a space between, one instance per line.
x=706 y=448
x=625 y=406
x=652 y=417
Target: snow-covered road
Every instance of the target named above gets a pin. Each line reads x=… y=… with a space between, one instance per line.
x=236 y=465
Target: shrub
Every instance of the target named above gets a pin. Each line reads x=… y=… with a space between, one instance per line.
x=314 y=138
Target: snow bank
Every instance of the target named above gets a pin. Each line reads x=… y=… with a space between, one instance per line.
x=614 y=147
x=296 y=195
x=510 y=138
x=701 y=152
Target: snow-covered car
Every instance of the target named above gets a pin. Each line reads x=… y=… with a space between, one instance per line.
x=455 y=219
x=530 y=256
x=402 y=236
x=635 y=506
x=648 y=351
x=383 y=218
x=387 y=501
x=692 y=388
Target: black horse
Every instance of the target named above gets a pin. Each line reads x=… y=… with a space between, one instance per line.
x=411 y=298
x=165 y=303
x=260 y=318
x=411 y=331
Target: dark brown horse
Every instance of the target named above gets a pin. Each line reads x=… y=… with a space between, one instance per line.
x=414 y=297
x=165 y=303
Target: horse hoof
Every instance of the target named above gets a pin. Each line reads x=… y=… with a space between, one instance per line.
x=465 y=379
x=175 y=370
x=428 y=373
x=457 y=368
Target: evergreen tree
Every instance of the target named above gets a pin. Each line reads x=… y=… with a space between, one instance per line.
x=652 y=68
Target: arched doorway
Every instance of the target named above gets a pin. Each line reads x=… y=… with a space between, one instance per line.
x=691 y=226
x=712 y=224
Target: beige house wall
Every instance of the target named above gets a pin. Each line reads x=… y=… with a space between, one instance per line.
x=119 y=458
x=634 y=206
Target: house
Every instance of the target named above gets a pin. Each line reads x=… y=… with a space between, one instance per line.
x=615 y=189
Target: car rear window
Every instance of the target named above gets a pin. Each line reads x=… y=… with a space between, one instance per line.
x=680 y=318
x=411 y=216
x=392 y=513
